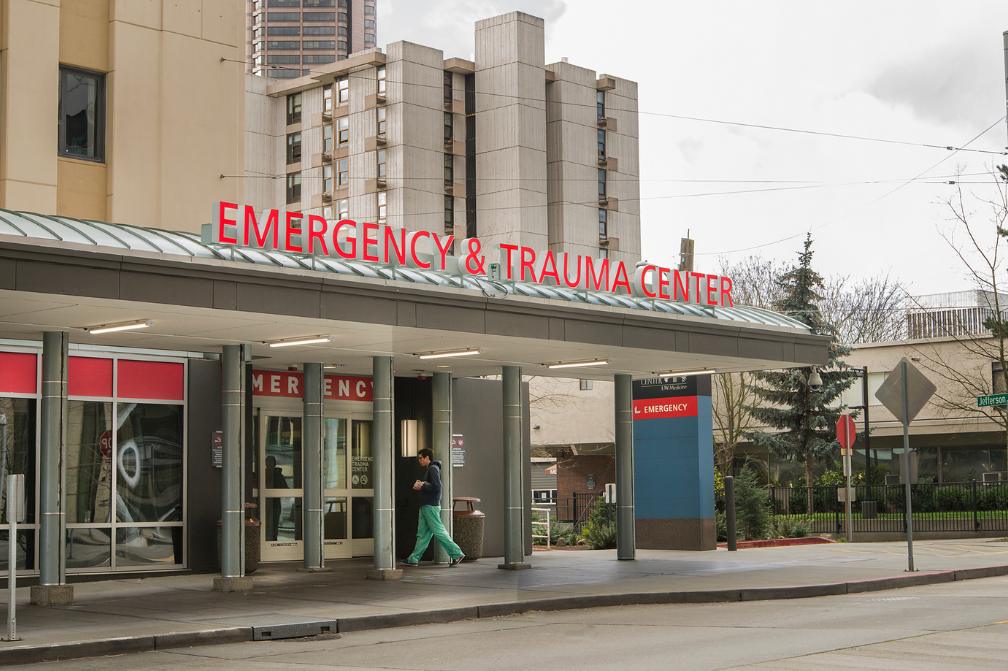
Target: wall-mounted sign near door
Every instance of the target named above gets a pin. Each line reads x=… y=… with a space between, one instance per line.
x=217 y=449
x=458 y=450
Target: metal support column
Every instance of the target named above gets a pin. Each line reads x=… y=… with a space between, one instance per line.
x=625 y=531
x=514 y=501
x=232 y=578
x=382 y=450
x=441 y=391
x=313 y=489
x=52 y=588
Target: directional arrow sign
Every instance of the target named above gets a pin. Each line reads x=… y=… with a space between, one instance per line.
x=919 y=390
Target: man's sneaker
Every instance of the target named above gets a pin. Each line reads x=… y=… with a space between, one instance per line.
x=457 y=560
x=410 y=563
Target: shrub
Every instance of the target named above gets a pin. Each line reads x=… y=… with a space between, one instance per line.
x=600 y=530
x=791 y=527
x=752 y=510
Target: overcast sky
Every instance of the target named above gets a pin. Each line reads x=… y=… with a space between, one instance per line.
x=920 y=71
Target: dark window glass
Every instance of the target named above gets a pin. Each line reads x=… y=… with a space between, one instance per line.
x=319 y=58
x=603 y=224
x=319 y=44
x=601 y=144
x=320 y=30
x=149 y=463
x=82 y=114
x=600 y=104
x=447 y=87
x=294 y=108
x=88 y=462
x=369 y=39
x=319 y=3
x=283 y=45
x=601 y=183
x=283 y=31
x=284 y=16
x=294 y=187
x=369 y=24
x=283 y=59
x=343 y=46
x=449 y=213
x=343 y=32
x=285 y=73
x=284 y=3
x=293 y=148
x=369 y=10
x=448 y=127
x=448 y=169
x=319 y=16
x=343 y=173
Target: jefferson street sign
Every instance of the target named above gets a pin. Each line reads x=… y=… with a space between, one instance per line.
x=993 y=399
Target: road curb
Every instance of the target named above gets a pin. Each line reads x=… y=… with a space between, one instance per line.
x=27 y=654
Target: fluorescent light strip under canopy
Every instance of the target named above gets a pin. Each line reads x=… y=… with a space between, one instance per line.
x=448 y=353
x=578 y=364
x=683 y=373
x=122 y=326
x=293 y=342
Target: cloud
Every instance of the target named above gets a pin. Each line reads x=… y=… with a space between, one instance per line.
x=959 y=84
x=449 y=24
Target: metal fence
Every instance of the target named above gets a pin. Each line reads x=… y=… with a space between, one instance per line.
x=576 y=508
x=951 y=506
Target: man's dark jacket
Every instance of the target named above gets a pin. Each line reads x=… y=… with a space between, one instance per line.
x=430 y=494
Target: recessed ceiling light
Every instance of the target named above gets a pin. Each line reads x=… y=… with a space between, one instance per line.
x=447 y=353
x=122 y=326
x=577 y=364
x=293 y=342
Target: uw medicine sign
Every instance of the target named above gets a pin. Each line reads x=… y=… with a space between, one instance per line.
x=674 y=463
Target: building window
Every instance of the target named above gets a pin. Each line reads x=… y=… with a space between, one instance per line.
x=293 y=187
x=447 y=87
x=380 y=121
x=82 y=114
x=380 y=168
x=448 y=127
x=369 y=24
x=319 y=3
x=343 y=208
x=343 y=131
x=382 y=198
x=318 y=44
x=601 y=184
x=541 y=496
x=327 y=179
x=344 y=18
x=327 y=139
x=601 y=145
x=343 y=47
x=369 y=40
x=449 y=172
x=283 y=31
x=343 y=175
x=293 y=148
x=318 y=58
x=343 y=33
x=380 y=75
x=321 y=17
x=600 y=104
x=283 y=16
x=293 y=108
x=282 y=59
x=319 y=30
x=369 y=10
x=283 y=45
x=603 y=224
x=284 y=3
x=343 y=86
x=327 y=98
x=449 y=214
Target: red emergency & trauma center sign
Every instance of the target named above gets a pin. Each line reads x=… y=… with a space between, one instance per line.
x=290 y=384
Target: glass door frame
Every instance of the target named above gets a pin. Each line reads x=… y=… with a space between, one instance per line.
x=349 y=546
x=277 y=550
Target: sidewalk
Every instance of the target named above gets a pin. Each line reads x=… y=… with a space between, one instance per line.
x=116 y=616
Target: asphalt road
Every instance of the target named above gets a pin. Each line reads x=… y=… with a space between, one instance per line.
x=961 y=625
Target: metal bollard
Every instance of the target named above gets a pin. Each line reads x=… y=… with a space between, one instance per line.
x=729 y=490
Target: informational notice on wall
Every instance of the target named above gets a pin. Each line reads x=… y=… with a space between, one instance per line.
x=458 y=450
x=360 y=476
x=217 y=449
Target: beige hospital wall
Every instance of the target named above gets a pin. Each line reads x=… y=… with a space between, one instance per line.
x=174 y=107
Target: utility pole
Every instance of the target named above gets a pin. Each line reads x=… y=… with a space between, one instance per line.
x=686 y=244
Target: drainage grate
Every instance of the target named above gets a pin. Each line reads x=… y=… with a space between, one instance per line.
x=300 y=630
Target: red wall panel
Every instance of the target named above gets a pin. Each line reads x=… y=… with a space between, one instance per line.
x=89 y=376
x=18 y=373
x=155 y=380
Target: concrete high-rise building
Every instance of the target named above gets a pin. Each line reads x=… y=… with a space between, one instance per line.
x=508 y=148
x=121 y=111
x=291 y=38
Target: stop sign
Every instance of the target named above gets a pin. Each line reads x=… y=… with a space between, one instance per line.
x=845 y=432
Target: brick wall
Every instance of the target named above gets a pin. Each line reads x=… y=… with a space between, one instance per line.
x=573 y=473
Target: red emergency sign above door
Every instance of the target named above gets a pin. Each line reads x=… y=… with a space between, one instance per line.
x=290 y=384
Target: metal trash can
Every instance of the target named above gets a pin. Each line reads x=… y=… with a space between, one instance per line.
x=468 y=525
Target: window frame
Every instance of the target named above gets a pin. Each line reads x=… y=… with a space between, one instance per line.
x=293 y=191
x=342 y=131
x=343 y=90
x=381 y=205
x=342 y=173
x=294 y=144
x=100 y=114
x=294 y=111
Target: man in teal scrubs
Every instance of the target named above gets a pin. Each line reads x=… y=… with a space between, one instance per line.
x=430 y=525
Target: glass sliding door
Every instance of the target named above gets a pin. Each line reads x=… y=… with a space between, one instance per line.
x=335 y=511
x=280 y=484
x=18 y=455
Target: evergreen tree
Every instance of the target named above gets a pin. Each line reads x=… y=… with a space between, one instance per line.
x=802 y=420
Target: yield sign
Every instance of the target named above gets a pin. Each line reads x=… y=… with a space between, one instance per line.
x=919 y=389
x=845 y=431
